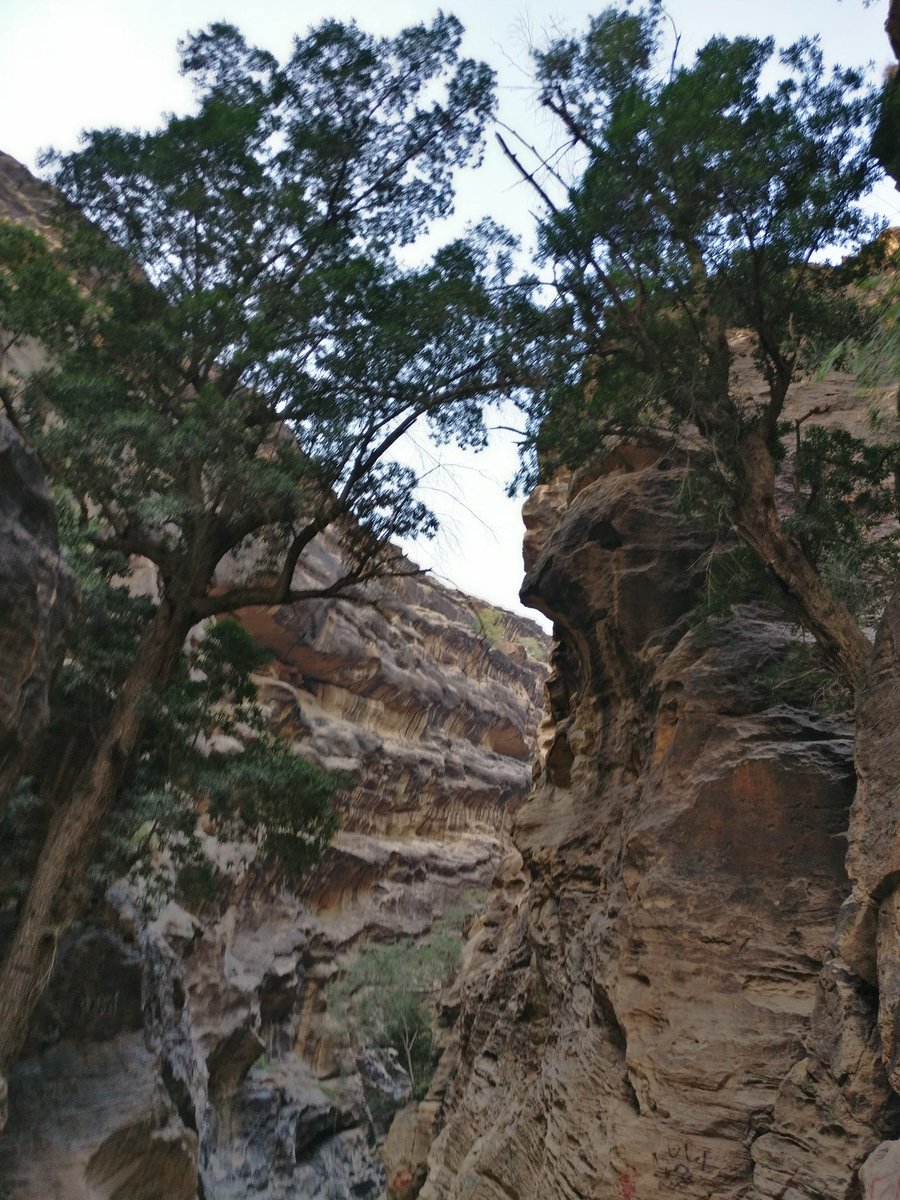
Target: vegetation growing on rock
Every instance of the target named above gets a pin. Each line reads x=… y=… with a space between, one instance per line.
x=388 y=996
x=703 y=201
x=239 y=358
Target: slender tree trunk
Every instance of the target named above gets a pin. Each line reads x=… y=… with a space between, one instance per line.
x=72 y=839
x=757 y=523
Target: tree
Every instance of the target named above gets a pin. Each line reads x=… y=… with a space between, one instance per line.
x=388 y=995
x=702 y=200
x=238 y=356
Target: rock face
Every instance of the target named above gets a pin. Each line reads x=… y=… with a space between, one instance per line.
x=203 y=1059
x=37 y=603
x=652 y=1004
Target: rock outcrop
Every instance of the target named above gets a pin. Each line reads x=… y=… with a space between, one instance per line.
x=653 y=1003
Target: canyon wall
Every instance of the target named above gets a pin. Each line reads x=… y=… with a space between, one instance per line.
x=195 y=1055
x=654 y=1000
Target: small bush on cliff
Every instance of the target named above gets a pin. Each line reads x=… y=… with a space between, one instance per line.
x=388 y=996
x=488 y=624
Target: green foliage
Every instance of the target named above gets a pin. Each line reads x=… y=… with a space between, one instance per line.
x=689 y=292
x=256 y=788
x=801 y=678
x=703 y=196
x=280 y=800
x=535 y=649
x=235 y=348
x=36 y=296
x=269 y=312
x=845 y=513
x=873 y=354
x=733 y=576
x=388 y=995
x=488 y=624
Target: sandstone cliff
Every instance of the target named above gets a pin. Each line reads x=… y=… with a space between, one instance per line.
x=654 y=1002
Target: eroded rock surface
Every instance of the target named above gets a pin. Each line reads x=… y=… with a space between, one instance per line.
x=203 y=1057
x=643 y=985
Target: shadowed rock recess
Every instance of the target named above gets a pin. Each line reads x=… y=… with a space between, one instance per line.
x=653 y=1003
x=37 y=608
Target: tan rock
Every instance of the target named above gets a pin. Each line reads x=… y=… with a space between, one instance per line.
x=629 y=1016
x=880 y=1173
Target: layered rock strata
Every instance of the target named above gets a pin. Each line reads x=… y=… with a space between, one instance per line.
x=202 y=1055
x=653 y=990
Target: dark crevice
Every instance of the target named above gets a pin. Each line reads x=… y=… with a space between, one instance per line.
x=180 y=1096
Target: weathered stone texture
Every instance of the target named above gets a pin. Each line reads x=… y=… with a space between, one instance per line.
x=639 y=991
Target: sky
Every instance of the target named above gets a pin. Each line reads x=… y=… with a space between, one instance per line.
x=68 y=65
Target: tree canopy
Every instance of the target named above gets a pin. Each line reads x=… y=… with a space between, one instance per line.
x=233 y=349
x=706 y=198
x=245 y=301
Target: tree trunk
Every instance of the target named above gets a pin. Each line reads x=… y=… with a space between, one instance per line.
x=72 y=839
x=757 y=523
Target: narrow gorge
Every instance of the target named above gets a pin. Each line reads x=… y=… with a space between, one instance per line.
x=611 y=912
x=196 y=1054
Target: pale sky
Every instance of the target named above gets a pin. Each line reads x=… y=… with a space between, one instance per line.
x=67 y=65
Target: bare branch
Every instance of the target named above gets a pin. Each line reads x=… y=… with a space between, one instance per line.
x=528 y=176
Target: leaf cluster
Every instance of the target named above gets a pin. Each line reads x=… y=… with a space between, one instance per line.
x=237 y=344
x=488 y=624
x=388 y=995
x=207 y=744
x=846 y=513
x=703 y=198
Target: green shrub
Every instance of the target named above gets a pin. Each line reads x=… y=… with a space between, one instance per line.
x=488 y=624
x=388 y=995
